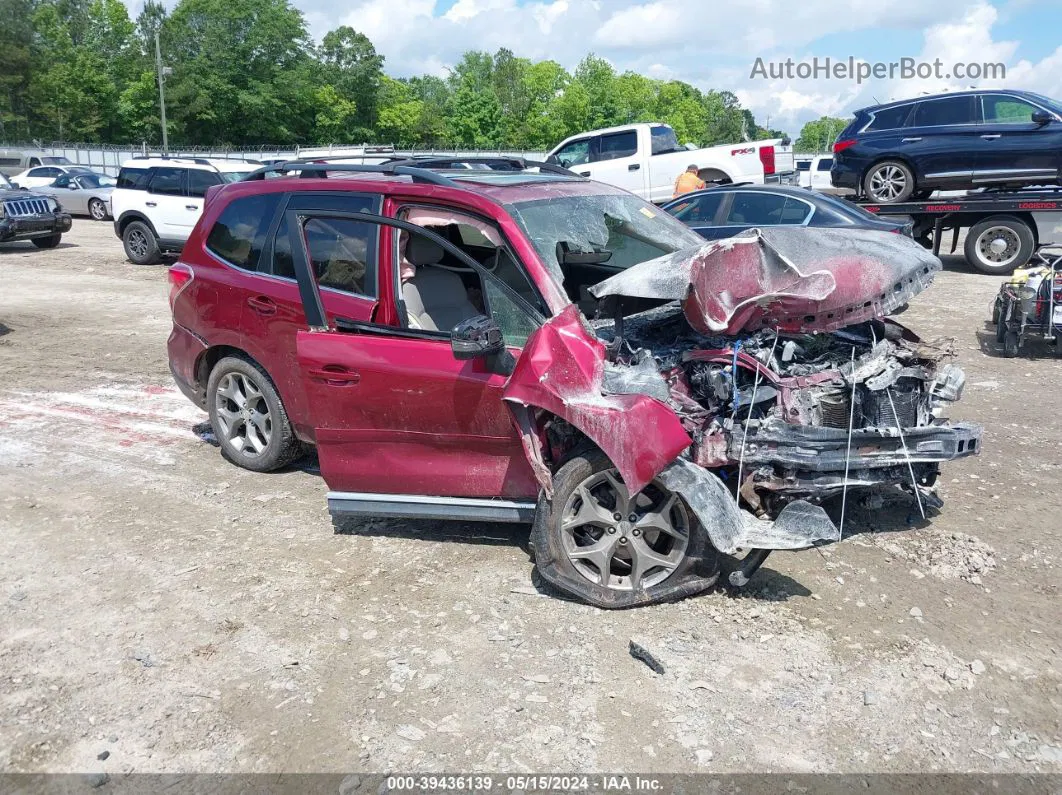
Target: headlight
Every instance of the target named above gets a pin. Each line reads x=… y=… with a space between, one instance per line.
x=53 y=205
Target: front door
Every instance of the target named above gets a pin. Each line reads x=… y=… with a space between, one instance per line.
x=1013 y=146
x=394 y=411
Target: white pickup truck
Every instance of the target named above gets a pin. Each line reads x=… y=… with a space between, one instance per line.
x=646 y=159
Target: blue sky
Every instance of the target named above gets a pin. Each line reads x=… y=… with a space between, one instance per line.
x=714 y=44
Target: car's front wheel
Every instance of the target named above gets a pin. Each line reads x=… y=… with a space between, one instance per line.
x=47 y=242
x=248 y=417
x=597 y=542
x=889 y=182
x=140 y=244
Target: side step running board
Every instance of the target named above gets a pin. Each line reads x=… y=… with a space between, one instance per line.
x=406 y=506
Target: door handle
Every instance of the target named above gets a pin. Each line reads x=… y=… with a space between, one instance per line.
x=634 y=166
x=910 y=140
x=991 y=137
x=335 y=375
x=262 y=305
x=191 y=206
x=150 y=204
x=584 y=173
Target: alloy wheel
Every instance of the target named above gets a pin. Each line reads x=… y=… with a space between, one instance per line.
x=138 y=243
x=887 y=183
x=624 y=542
x=97 y=210
x=243 y=415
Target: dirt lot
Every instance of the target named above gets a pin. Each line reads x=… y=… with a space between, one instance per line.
x=184 y=615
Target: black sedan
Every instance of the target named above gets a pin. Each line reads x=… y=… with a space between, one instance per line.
x=724 y=210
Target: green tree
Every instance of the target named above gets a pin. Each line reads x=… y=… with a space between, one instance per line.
x=819 y=135
x=401 y=113
x=16 y=66
x=352 y=66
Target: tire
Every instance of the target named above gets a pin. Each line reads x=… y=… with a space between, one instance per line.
x=141 y=245
x=999 y=244
x=1010 y=345
x=1001 y=325
x=889 y=182
x=248 y=417
x=97 y=209
x=47 y=242
x=573 y=555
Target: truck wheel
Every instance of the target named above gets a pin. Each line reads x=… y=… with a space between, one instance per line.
x=1001 y=325
x=1010 y=345
x=248 y=417
x=999 y=244
x=97 y=209
x=889 y=182
x=611 y=549
x=141 y=247
x=47 y=242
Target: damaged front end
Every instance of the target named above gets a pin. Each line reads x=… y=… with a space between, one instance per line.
x=783 y=385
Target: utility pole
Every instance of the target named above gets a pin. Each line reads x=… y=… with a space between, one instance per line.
x=163 y=71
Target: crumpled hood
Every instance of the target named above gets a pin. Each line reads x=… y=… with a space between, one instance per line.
x=794 y=279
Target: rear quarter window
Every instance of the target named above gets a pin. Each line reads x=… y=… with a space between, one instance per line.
x=132 y=178
x=890 y=118
x=239 y=234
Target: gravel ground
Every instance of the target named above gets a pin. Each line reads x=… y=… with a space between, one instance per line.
x=180 y=614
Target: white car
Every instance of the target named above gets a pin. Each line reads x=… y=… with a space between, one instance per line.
x=45 y=175
x=158 y=200
x=815 y=172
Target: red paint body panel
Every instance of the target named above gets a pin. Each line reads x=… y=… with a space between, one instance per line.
x=561 y=370
x=412 y=419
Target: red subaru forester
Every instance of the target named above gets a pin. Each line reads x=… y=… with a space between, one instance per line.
x=428 y=332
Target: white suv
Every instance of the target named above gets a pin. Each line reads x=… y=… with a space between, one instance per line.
x=158 y=200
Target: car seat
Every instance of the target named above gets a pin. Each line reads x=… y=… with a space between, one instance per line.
x=436 y=299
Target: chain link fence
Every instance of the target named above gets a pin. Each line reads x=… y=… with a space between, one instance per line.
x=108 y=158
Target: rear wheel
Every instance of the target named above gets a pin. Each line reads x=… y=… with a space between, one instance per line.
x=248 y=417
x=1010 y=344
x=47 y=242
x=141 y=245
x=999 y=244
x=888 y=182
x=612 y=549
x=97 y=209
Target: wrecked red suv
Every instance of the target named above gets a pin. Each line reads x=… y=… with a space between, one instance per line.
x=531 y=346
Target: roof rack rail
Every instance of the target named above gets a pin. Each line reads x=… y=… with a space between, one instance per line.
x=199 y=161
x=310 y=169
x=522 y=164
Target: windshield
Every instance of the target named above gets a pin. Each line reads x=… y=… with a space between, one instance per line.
x=621 y=228
x=235 y=176
x=5 y=182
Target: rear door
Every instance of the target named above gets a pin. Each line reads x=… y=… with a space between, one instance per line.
x=943 y=140
x=1013 y=146
x=272 y=305
x=393 y=411
x=700 y=212
x=760 y=208
x=820 y=173
x=614 y=160
x=198 y=182
x=164 y=203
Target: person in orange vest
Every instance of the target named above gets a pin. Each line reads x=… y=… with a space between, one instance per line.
x=688 y=181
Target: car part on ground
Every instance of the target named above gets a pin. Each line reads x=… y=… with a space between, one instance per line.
x=1029 y=304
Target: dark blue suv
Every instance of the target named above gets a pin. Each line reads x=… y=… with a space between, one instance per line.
x=971 y=139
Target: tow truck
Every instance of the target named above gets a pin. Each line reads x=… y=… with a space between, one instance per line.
x=1004 y=227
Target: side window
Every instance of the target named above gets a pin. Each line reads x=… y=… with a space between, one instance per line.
x=756 y=209
x=616 y=145
x=34 y=161
x=339 y=254
x=199 y=181
x=1001 y=109
x=45 y=171
x=514 y=321
x=167 y=182
x=794 y=212
x=700 y=209
x=282 y=263
x=942 y=112
x=239 y=234
x=574 y=154
x=132 y=178
x=825 y=164
x=890 y=118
